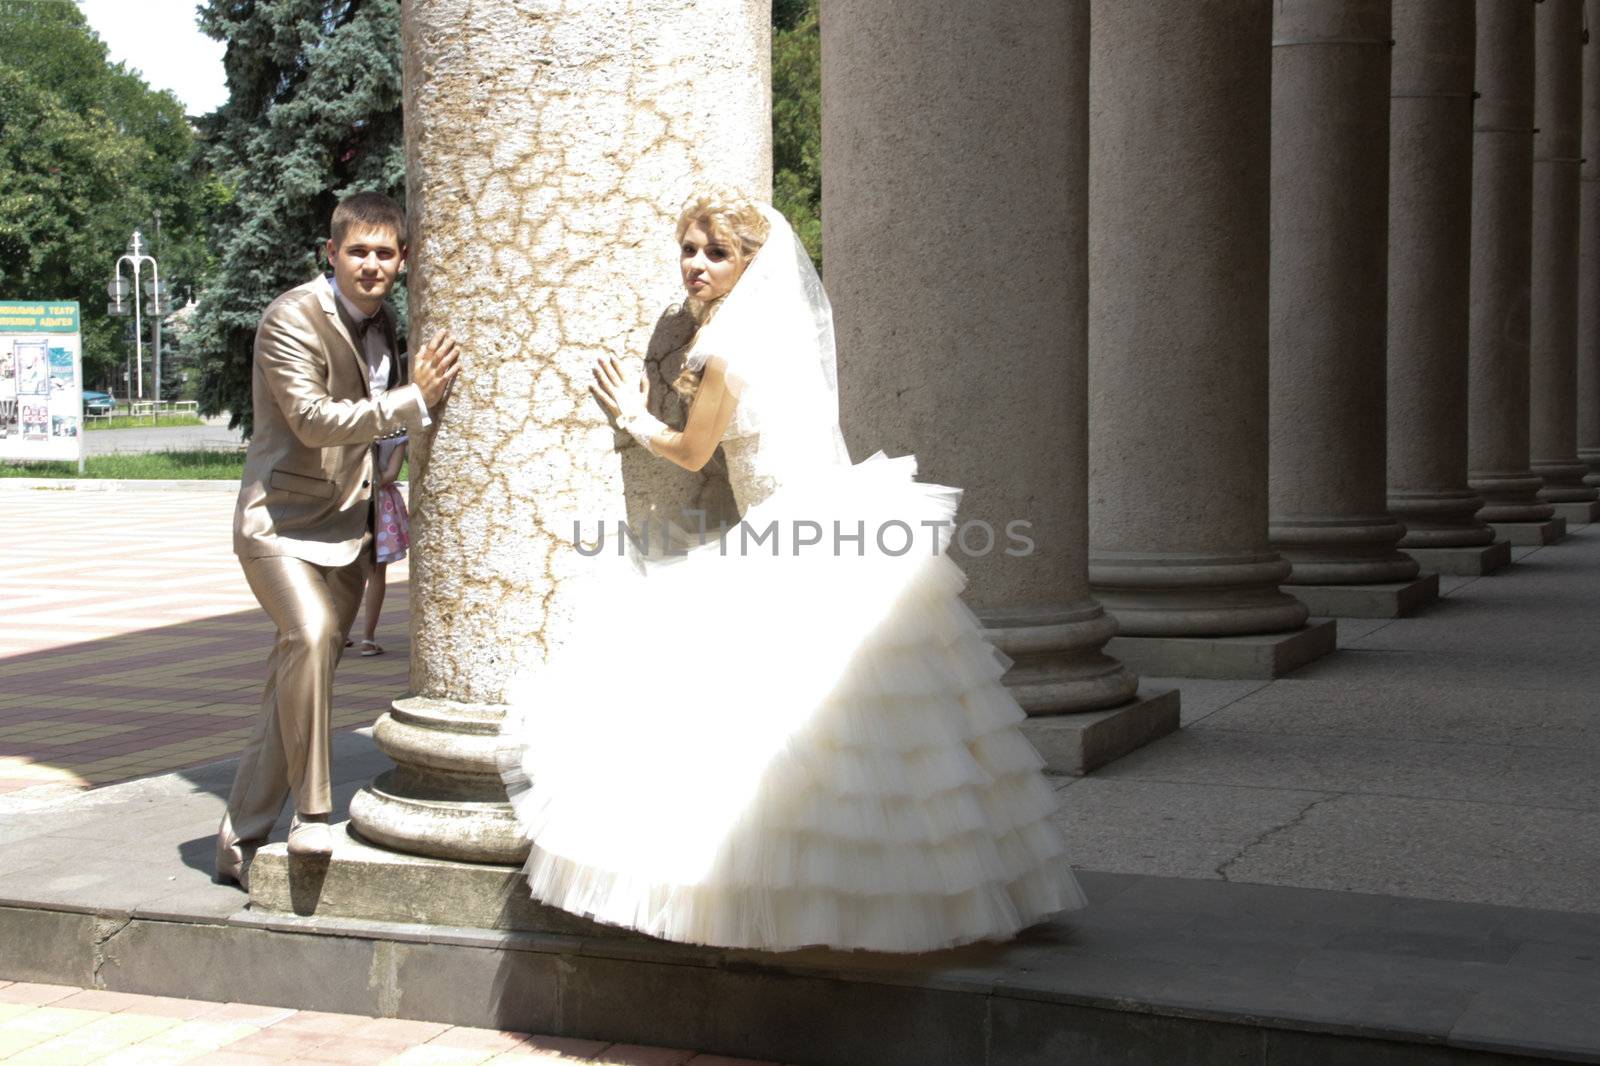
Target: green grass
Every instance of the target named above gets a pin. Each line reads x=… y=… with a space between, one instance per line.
x=126 y=422
x=174 y=466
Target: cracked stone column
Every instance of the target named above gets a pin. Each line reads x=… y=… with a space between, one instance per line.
x=1330 y=197
x=1430 y=248
x=1178 y=227
x=548 y=148
x=1553 y=326
x=1502 y=211
x=954 y=251
x=1589 y=255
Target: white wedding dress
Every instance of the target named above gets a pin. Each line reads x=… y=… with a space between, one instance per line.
x=768 y=751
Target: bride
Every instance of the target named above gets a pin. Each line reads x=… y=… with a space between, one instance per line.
x=796 y=735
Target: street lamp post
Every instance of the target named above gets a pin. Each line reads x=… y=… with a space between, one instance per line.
x=119 y=290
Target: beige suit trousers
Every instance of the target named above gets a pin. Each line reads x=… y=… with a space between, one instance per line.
x=288 y=754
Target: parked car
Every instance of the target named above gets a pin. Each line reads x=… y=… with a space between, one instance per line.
x=98 y=403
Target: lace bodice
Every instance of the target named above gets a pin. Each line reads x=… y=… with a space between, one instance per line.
x=748 y=476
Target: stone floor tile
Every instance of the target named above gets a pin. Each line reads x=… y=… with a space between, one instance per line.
x=571 y=1047
x=13 y=1041
x=11 y=1010
x=348 y=1051
x=203 y=1034
x=172 y=1007
x=723 y=1060
x=51 y=1021
x=640 y=1055
x=431 y=1054
x=320 y=1022
x=243 y=1058
x=35 y=994
x=397 y=1031
x=467 y=1038
x=282 y=1042
x=253 y=1013
x=102 y=1000
x=147 y=1053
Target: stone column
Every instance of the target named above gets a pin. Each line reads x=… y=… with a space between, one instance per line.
x=1178 y=198
x=1502 y=211
x=1430 y=248
x=954 y=250
x=547 y=154
x=1557 y=115
x=1589 y=254
x=1330 y=195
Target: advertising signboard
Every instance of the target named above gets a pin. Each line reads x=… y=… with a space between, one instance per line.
x=41 y=380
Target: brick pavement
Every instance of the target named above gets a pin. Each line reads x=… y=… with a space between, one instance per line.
x=130 y=644
x=57 y=1025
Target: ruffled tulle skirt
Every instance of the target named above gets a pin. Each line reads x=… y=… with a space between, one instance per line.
x=778 y=751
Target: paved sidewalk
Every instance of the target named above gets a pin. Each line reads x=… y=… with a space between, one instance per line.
x=56 y=1025
x=131 y=645
x=1453 y=755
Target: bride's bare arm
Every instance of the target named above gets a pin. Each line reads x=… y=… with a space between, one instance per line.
x=623 y=397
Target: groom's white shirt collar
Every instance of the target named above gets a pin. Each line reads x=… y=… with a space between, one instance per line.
x=377 y=362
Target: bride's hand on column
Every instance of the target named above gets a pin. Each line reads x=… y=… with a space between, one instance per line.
x=621 y=393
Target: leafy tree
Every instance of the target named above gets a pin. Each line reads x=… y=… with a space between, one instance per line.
x=797 y=119
x=313 y=114
x=88 y=153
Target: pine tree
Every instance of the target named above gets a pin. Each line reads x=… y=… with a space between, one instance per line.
x=797 y=119
x=313 y=114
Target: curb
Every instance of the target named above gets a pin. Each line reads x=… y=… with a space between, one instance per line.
x=87 y=484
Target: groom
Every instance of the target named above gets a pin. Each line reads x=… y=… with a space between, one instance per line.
x=327 y=382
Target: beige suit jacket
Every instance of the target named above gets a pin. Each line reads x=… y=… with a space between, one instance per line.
x=308 y=476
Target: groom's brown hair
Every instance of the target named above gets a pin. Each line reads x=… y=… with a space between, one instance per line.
x=370 y=209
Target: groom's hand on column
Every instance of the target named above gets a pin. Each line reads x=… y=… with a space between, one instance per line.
x=436 y=367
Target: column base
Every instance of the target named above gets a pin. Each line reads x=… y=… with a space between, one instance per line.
x=1394 y=599
x=363 y=881
x=1058 y=664
x=1435 y=519
x=1578 y=514
x=1463 y=562
x=1531 y=534
x=1509 y=496
x=1078 y=743
x=1353 y=550
x=1563 y=482
x=1259 y=656
x=444 y=797
x=1154 y=594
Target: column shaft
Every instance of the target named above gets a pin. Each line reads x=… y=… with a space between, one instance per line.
x=1330 y=155
x=1178 y=226
x=1430 y=249
x=1589 y=255
x=1502 y=211
x=1553 y=328
x=547 y=153
x=955 y=256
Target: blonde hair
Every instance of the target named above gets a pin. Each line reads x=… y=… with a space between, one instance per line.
x=732 y=217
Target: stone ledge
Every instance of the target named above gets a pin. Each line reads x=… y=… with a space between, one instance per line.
x=1389 y=599
x=1463 y=562
x=1580 y=513
x=1082 y=741
x=1094 y=987
x=1531 y=534
x=376 y=884
x=1254 y=657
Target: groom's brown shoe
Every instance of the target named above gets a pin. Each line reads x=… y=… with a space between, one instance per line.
x=309 y=836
